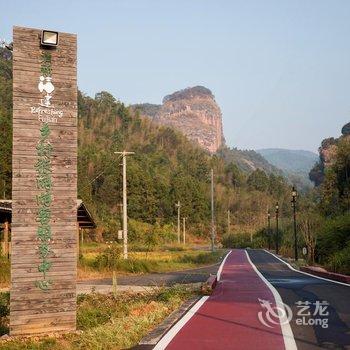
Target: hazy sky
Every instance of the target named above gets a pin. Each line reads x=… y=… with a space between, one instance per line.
x=280 y=70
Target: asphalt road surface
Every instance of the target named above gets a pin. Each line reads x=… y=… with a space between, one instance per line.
x=228 y=318
x=247 y=310
x=295 y=287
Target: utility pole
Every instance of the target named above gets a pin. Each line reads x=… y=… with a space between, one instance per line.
x=184 y=230
x=277 y=233
x=125 y=205
x=178 y=206
x=212 y=211
x=228 y=221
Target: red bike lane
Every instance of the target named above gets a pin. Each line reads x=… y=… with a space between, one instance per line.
x=228 y=319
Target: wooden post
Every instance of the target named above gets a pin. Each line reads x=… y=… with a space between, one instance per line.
x=78 y=240
x=44 y=184
x=184 y=230
x=6 y=239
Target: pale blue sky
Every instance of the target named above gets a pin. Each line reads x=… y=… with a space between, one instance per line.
x=280 y=70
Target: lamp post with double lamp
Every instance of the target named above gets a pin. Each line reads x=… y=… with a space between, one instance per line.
x=269 y=227
x=294 y=202
x=277 y=233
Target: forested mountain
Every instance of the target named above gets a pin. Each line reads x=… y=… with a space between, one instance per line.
x=247 y=160
x=294 y=161
x=165 y=168
x=296 y=164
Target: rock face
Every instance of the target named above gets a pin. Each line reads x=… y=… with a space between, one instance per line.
x=195 y=113
x=327 y=153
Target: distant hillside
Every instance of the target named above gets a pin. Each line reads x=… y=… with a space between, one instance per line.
x=296 y=164
x=247 y=160
x=290 y=160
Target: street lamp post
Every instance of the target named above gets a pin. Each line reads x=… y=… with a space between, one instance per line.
x=294 y=202
x=269 y=227
x=277 y=233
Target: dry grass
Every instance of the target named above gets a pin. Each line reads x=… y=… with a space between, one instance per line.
x=109 y=322
x=164 y=259
x=148 y=262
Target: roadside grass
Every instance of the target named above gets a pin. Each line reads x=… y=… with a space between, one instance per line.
x=111 y=322
x=98 y=261
x=102 y=264
x=4 y=272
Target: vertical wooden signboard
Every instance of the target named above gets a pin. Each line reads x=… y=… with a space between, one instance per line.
x=44 y=187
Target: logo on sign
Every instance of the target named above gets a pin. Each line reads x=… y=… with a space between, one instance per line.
x=46 y=86
x=45 y=110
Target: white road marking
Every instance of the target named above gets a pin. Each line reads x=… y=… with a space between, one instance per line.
x=168 y=337
x=306 y=273
x=218 y=275
x=288 y=337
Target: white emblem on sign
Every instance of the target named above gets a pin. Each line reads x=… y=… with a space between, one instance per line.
x=45 y=110
x=45 y=85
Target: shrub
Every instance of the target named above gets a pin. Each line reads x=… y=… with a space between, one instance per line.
x=333 y=237
x=234 y=240
x=4 y=312
x=340 y=261
x=136 y=265
x=174 y=248
x=175 y=292
x=109 y=258
x=201 y=258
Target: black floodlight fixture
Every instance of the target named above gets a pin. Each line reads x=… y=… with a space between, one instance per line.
x=49 y=38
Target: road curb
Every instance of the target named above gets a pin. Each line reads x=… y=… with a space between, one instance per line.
x=209 y=285
x=326 y=274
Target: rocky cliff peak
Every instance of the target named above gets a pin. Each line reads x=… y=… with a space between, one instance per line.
x=195 y=113
x=327 y=152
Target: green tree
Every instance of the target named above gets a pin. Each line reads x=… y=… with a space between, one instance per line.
x=258 y=180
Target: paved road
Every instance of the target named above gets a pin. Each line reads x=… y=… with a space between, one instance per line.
x=200 y=274
x=228 y=318
x=294 y=287
x=241 y=312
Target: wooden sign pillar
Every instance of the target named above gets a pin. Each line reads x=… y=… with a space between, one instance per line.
x=44 y=184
